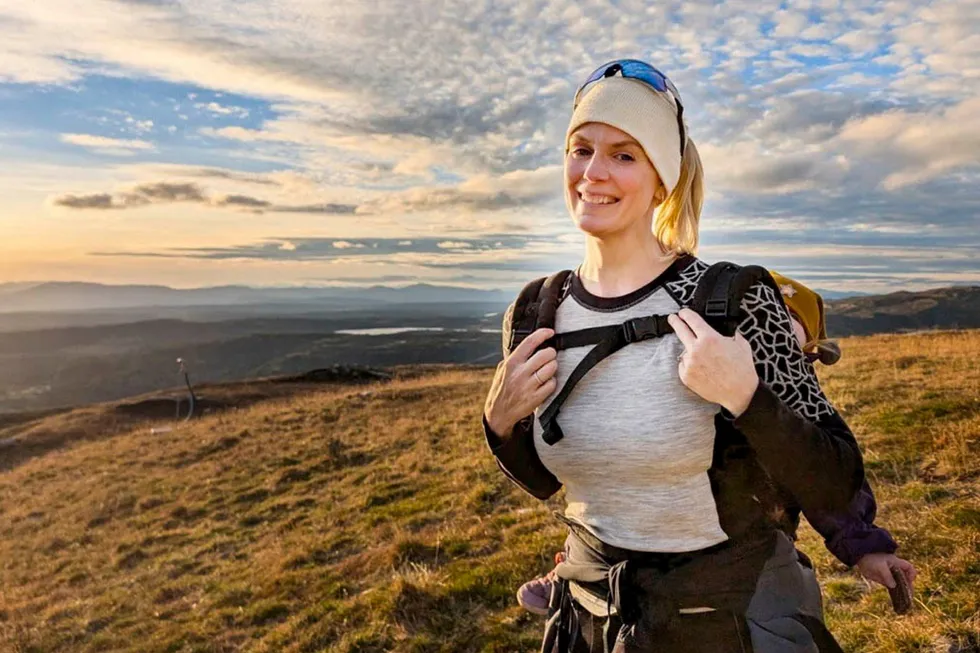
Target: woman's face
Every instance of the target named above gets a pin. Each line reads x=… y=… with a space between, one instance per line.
x=609 y=182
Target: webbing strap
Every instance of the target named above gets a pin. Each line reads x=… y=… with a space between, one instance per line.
x=608 y=340
x=638 y=328
x=717 y=304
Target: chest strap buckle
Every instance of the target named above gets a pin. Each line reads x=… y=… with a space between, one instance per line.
x=644 y=328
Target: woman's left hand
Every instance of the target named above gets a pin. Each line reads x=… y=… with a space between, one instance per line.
x=718 y=369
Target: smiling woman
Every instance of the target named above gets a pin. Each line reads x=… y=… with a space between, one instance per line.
x=687 y=456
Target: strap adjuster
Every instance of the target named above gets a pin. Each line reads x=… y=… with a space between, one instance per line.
x=641 y=328
x=716 y=308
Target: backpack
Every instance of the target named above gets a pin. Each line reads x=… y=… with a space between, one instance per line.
x=717 y=298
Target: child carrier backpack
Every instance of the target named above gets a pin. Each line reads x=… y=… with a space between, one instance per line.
x=717 y=298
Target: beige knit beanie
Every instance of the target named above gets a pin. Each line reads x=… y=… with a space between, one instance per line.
x=647 y=115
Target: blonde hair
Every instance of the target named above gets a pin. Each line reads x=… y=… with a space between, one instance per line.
x=676 y=219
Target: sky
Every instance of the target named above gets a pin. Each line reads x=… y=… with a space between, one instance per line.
x=302 y=142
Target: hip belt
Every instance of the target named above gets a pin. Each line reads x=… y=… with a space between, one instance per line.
x=649 y=590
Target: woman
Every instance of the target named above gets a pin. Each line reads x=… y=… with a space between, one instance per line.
x=686 y=459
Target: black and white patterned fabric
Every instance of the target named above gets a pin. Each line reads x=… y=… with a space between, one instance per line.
x=682 y=290
x=778 y=357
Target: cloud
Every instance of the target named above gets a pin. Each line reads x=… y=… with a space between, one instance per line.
x=170 y=192
x=789 y=23
x=164 y=192
x=519 y=188
x=91 y=201
x=242 y=134
x=306 y=249
x=241 y=201
x=748 y=168
x=202 y=172
x=163 y=40
x=912 y=147
x=812 y=115
x=138 y=196
x=372 y=280
x=327 y=208
x=105 y=145
x=223 y=110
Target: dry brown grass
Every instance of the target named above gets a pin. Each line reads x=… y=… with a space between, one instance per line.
x=373 y=519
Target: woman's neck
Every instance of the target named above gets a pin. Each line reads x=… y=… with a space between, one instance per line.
x=616 y=267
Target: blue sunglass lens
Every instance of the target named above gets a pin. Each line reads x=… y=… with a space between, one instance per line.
x=634 y=69
x=646 y=73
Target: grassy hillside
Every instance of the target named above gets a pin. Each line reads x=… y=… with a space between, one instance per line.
x=372 y=518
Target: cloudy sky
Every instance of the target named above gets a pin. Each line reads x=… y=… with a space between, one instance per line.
x=302 y=142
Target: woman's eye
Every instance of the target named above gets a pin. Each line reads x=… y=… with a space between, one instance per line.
x=584 y=151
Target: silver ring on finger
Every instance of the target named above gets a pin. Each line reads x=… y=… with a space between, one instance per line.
x=540 y=382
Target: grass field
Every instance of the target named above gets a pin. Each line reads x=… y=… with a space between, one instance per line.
x=373 y=518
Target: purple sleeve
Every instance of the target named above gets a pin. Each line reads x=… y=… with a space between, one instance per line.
x=851 y=535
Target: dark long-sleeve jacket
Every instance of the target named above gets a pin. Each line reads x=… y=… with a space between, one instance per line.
x=789 y=450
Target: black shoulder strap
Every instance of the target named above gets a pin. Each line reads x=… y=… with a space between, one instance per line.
x=552 y=293
x=521 y=316
x=718 y=296
x=535 y=308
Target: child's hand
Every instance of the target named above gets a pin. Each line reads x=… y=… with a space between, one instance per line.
x=875 y=566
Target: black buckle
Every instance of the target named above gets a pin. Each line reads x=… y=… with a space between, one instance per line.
x=716 y=308
x=641 y=328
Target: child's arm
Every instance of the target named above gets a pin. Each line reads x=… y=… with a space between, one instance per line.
x=852 y=534
x=854 y=539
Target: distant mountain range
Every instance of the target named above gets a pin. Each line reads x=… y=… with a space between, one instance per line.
x=53 y=358
x=78 y=296
x=848 y=314
x=955 y=307
x=840 y=294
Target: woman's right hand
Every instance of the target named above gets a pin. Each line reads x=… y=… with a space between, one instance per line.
x=521 y=383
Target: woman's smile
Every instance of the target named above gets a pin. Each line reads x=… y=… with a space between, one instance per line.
x=597 y=198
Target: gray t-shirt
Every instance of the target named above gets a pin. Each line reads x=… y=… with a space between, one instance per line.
x=637 y=442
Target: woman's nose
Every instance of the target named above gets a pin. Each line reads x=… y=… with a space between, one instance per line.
x=596 y=170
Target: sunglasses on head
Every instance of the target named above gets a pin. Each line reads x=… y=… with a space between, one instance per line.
x=642 y=72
